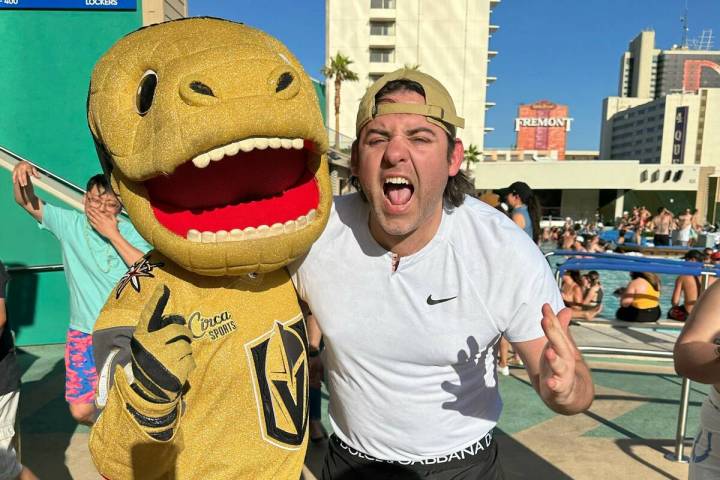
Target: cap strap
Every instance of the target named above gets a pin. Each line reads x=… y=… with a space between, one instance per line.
x=433 y=111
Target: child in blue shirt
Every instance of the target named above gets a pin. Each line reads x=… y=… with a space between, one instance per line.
x=97 y=248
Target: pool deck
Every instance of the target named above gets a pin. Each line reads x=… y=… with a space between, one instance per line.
x=625 y=434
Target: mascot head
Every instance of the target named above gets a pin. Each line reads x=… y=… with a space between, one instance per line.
x=212 y=135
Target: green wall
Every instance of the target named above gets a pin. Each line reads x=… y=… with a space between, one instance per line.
x=46 y=60
x=320 y=92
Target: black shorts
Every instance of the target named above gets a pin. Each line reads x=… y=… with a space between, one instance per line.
x=661 y=240
x=480 y=461
x=632 y=314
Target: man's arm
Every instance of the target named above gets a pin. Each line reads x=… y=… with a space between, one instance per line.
x=556 y=368
x=106 y=224
x=23 y=190
x=696 y=353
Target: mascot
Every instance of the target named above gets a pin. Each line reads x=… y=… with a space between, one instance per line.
x=212 y=135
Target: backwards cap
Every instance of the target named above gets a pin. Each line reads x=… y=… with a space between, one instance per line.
x=439 y=107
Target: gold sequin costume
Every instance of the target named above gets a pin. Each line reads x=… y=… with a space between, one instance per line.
x=212 y=135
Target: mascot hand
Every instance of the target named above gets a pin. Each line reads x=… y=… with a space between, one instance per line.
x=161 y=351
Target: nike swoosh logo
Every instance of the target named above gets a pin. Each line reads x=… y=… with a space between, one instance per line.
x=431 y=301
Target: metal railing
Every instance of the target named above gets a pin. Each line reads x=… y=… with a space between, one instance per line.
x=57 y=186
x=680 y=433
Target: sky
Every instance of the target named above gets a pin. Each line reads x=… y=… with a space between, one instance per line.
x=565 y=51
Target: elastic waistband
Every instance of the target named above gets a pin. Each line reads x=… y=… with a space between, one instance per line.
x=469 y=454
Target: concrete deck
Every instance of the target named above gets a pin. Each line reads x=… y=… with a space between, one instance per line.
x=626 y=433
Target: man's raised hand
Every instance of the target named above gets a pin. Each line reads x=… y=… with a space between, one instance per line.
x=561 y=364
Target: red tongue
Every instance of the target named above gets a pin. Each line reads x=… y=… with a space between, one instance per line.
x=398 y=194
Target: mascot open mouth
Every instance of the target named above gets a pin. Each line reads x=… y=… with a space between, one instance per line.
x=253 y=188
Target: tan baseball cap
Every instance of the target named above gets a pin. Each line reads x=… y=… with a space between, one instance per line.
x=439 y=107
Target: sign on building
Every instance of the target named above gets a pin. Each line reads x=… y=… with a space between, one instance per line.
x=69 y=4
x=542 y=126
x=678 y=148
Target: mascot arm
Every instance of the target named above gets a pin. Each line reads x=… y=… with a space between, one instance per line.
x=142 y=410
x=134 y=438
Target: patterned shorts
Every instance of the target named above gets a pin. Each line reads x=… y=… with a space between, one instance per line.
x=80 y=375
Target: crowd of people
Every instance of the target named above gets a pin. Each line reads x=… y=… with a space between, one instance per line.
x=640 y=221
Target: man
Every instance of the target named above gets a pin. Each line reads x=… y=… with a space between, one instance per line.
x=687 y=288
x=10 y=466
x=661 y=226
x=412 y=284
x=97 y=249
x=684 y=226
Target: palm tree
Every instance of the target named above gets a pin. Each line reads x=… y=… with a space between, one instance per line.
x=472 y=156
x=339 y=69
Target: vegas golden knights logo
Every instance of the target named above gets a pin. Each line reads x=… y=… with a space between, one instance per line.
x=279 y=366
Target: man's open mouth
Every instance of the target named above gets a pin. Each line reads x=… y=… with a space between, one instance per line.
x=253 y=188
x=398 y=190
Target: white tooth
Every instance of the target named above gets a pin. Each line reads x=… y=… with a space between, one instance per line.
x=236 y=234
x=250 y=233
x=232 y=149
x=261 y=143
x=202 y=160
x=397 y=181
x=290 y=226
x=247 y=145
x=263 y=231
x=298 y=143
x=193 y=235
x=276 y=229
x=208 y=237
x=311 y=215
x=274 y=143
x=301 y=222
x=221 y=236
x=286 y=143
x=217 y=154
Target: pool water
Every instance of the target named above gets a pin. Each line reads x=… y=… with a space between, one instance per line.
x=611 y=280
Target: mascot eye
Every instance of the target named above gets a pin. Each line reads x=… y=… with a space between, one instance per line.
x=201 y=88
x=284 y=81
x=146 y=92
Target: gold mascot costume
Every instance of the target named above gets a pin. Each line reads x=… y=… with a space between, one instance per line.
x=212 y=135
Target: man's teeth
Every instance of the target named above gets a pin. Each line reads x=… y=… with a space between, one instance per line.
x=397 y=181
x=247 y=145
x=250 y=233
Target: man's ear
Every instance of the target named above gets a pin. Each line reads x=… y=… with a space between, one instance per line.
x=354 y=158
x=456 y=158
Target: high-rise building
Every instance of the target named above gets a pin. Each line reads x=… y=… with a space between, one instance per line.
x=647 y=72
x=448 y=40
x=668 y=106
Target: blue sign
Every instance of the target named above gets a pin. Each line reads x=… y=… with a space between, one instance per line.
x=68 y=4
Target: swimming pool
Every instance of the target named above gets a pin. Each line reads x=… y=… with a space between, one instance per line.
x=611 y=280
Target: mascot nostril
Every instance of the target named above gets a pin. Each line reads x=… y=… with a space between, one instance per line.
x=201 y=88
x=203 y=342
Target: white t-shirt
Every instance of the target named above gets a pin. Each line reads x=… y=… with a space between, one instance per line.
x=409 y=356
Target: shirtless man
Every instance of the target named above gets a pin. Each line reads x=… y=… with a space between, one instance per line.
x=661 y=227
x=684 y=226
